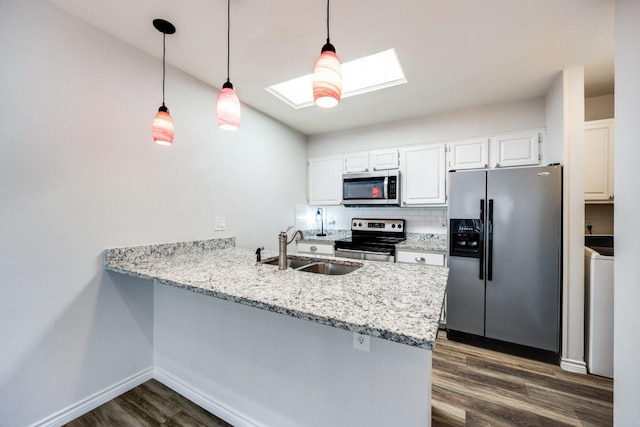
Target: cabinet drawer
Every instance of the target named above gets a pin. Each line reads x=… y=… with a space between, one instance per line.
x=420 y=258
x=315 y=248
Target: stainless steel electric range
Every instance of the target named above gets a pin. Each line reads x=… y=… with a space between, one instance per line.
x=372 y=239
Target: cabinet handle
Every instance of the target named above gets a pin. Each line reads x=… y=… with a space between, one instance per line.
x=313 y=248
x=420 y=259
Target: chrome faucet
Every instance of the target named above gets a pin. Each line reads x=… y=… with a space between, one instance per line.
x=282 y=246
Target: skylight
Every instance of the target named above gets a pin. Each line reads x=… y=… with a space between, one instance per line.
x=373 y=72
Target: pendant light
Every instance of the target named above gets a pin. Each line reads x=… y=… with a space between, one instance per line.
x=327 y=75
x=228 y=107
x=163 y=130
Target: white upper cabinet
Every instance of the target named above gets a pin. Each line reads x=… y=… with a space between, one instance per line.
x=598 y=160
x=422 y=173
x=516 y=149
x=384 y=160
x=468 y=154
x=378 y=160
x=356 y=163
x=325 y=181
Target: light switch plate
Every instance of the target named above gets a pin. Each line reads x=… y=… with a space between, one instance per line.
x=220 y=224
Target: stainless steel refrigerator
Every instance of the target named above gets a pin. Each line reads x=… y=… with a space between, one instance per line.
x=505 y=255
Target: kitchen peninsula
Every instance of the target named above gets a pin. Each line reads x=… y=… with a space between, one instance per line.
x=258 y=367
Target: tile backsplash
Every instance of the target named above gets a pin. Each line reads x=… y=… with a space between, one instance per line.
x=418 y=220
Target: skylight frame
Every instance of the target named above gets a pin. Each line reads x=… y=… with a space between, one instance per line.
x=357 y=75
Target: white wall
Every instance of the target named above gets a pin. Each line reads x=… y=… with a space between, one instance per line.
x=599 y=107
x=627 y=175
x=459 y=124
x=554 y=120
x=79 y=173
x=281 y=371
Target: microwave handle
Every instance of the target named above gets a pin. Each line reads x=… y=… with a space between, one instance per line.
x=384 y=188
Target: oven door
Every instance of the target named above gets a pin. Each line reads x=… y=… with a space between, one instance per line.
x=368 y=255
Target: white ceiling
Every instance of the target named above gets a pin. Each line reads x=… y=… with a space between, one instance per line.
x=455 y=53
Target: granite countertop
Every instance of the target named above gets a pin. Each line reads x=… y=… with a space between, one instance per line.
x=331 y=235
x=396 y=302
x=424 y=242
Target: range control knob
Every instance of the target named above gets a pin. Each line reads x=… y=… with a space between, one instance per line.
x=399 y=225
x=393 y=226
x=359 y=224
x=355 y=223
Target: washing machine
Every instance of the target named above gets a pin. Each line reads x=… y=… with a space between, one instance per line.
x=598 y=274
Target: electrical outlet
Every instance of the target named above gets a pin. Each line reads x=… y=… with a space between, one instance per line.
x=220 y=224
x=443 y=221
x=361 y=342
x=588 y=222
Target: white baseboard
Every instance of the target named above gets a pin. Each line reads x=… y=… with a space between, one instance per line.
x=216 y=407
x=577 y=366
x=80 y=408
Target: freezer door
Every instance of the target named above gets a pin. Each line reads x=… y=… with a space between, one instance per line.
x=466 y=289
x=523 y=287
x=466 y=189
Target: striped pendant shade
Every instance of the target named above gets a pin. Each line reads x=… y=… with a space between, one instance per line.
x=163 y=130
x=228 y=108
x=327 y=79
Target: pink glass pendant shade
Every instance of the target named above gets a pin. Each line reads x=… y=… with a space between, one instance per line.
x=327 y=79
x=228 y=108
x=163 y=130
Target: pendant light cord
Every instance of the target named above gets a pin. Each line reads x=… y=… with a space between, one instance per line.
x=164 y=49
x=328 y=41
x=228 y=34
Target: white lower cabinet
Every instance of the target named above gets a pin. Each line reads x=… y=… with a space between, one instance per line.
x=422 y=175
x=416 y=257
x=315 y=248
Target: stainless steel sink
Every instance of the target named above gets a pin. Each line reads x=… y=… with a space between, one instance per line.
x=291 y=262
x=328 y=268
x=311 y=265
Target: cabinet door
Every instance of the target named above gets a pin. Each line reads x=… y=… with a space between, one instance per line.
x=422 y=171
x=384 y=160
x=469 y=154
x=516 y=149
x=356 y=163
x=598 y=160
x=325 y=181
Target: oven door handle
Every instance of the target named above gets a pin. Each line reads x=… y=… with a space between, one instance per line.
x=363 y=252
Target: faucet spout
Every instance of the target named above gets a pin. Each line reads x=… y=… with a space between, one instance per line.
x=283 y=241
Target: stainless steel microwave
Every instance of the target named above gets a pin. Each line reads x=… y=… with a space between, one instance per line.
x=373 y=188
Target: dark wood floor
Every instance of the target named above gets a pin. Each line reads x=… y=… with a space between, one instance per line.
x=478 y=387
x=149 y=404
x=471 y=387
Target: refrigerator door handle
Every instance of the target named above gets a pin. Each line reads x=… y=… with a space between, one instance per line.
x=481 y=242
x=490 y=238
